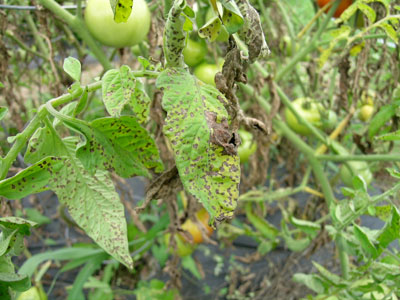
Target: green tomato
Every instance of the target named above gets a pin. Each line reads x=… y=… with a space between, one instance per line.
x=206 y=72
x=194 y=52
x=99 y=19
x=184 y=248
x=365 y=112
x=247 y=147
x=224 y=34
x=309 y=110
x=34 y=293
x=355 y=168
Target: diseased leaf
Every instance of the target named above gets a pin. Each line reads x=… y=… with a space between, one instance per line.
x=211 y=29
x=197 y=126
x=122 y=10
x=231 y=17
x=95 y=206
x=31 y=179
x=119 y=144
x=120 y=88
x=175 y=35
x=44 y=143
x=251 y=32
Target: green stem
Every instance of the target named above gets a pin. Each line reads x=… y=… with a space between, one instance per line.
x=370 y=157
x=343 y=257
x=25 y=47
x=79 y=27
x=38 y=39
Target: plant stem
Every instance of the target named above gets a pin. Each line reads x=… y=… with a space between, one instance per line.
x=370 y=157
x=38 y=39
x=343 y=257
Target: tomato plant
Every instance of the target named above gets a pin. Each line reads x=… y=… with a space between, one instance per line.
x=194 y=52
x=99 y=19
x=306 y=108
x=248 y=146
x=344 y=4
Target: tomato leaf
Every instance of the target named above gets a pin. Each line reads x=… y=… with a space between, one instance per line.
x=197 y=126
x=312 y=281
x=391 y=230
x=122 y=10
x=365 y=241
x=121 y=88
x=231 y=17
x=31 y=179
x=72 y=67
x=211 y=29
x=252 y=33
x=175 y=34
x=380 y=118
x=3 y=112
x=119 y=144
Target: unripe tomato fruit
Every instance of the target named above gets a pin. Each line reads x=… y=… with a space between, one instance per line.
x=366 y=112
x=99 y=19
x=309 y=110
x=194 y=52
x=341 y=8
x=247 y=147
x=184 y=247
x=34 y=293
x=206 y=72
x=329 y=119
x=355 y=168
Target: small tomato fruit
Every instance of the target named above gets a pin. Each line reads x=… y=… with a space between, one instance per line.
x=329 y=119
x=206 y=72
x=354 y=168
x=309 y=110
x=344 y=4
x=194 y=52
x=247 y=147
x=365 y=112
x=99 y=19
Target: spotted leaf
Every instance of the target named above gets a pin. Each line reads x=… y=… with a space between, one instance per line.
x=122 y=10
x=211 y=29
x=251 y=32
x=232 y=17
x=175 y=34
x=197 y=126
x=119 y=144
x=31 y=179
x=95 y=206
x=120 y=88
